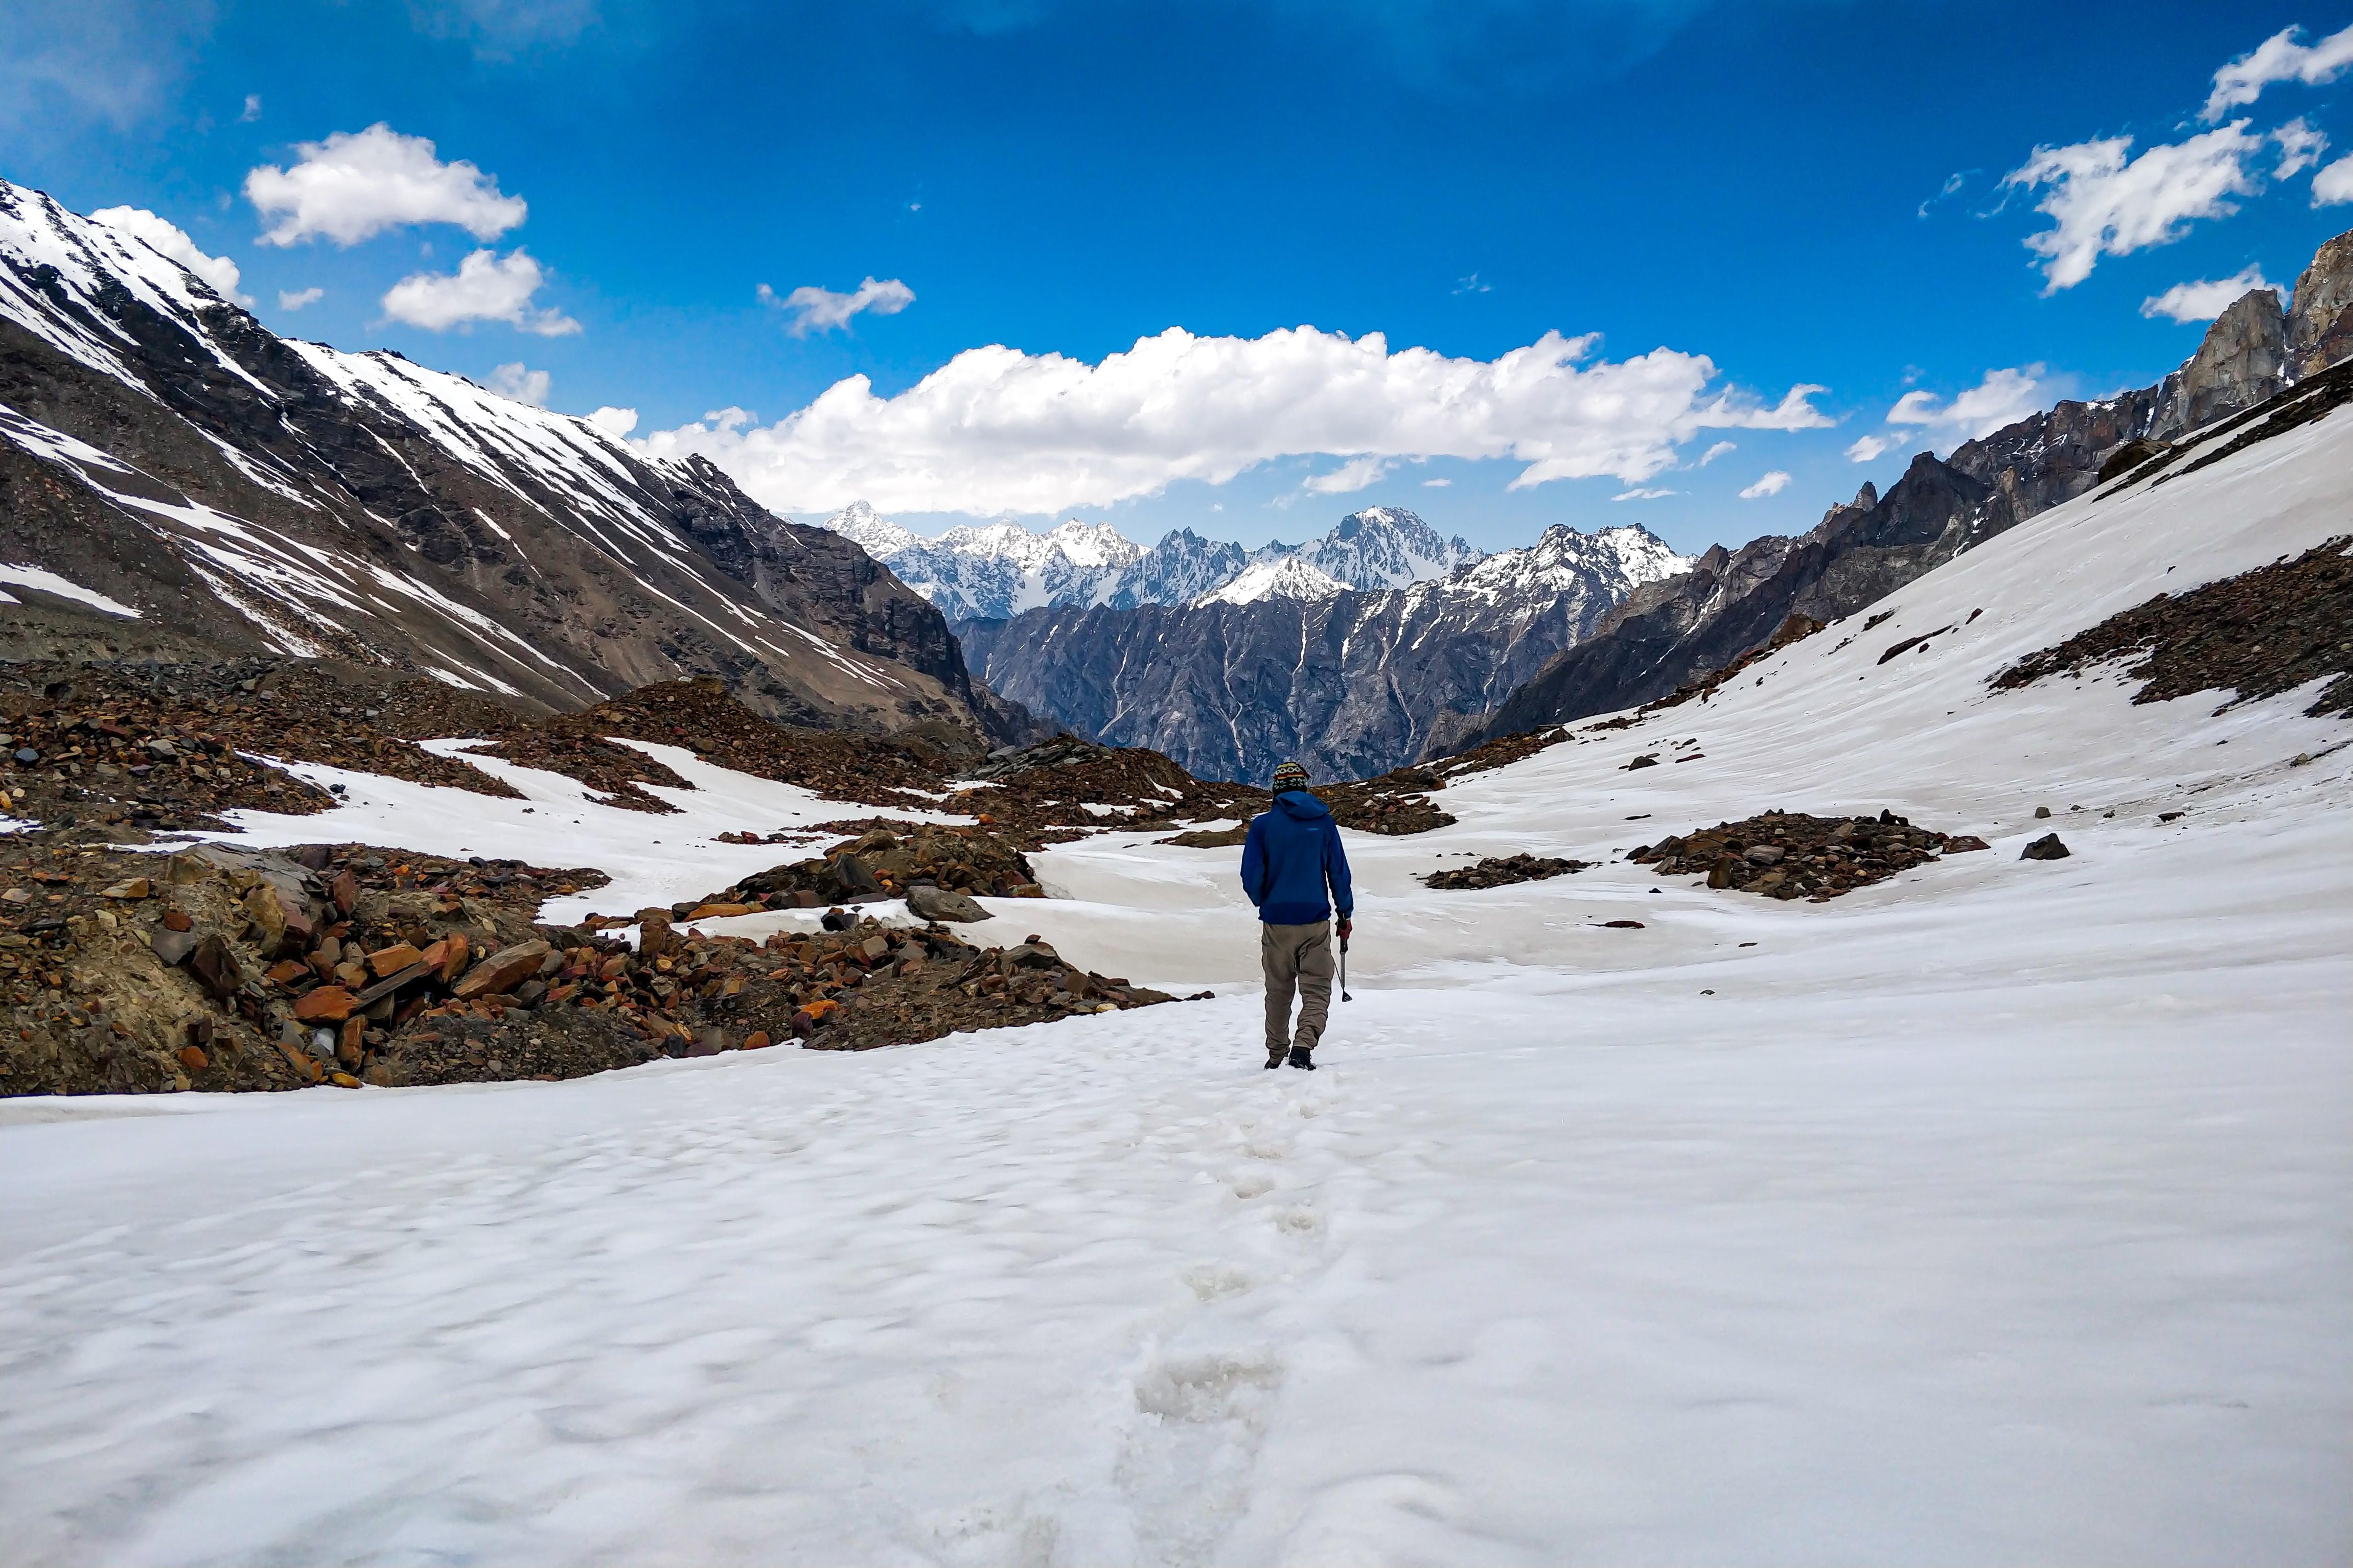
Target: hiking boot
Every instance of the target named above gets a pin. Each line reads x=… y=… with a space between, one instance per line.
x=1301 y=1058
x=1273 y=1058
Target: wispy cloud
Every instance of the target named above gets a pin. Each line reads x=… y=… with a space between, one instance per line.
x=295 y=299
x=1642 y=493
x=815 y=310
x=1720 y=450
x=2207 y=297
x=2279 y=58
x=2102 y=201
x=1472 y=285
x=1355 y=474
x=1767 y=484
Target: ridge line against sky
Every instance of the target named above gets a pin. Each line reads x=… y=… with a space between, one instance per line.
x=1392 y=366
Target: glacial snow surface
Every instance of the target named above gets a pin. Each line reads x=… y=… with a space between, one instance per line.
x=1996 y=1213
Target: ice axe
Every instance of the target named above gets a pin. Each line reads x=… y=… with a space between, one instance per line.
x=1344 y=967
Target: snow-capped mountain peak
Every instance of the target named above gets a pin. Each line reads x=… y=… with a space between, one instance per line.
x=878 y=536
x=1277 y=577
x=1386 y=547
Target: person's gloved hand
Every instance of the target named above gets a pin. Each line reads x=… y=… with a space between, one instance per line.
x=1346 y=925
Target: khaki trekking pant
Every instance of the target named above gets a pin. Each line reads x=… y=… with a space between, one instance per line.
x=1301 y=957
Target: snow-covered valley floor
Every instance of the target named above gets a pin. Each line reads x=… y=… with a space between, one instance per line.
x=1994 y=1214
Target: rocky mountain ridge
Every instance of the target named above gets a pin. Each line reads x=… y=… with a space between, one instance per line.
x=235 y=493
x=998 y=570
x=1673 y=632
x=1350 y=682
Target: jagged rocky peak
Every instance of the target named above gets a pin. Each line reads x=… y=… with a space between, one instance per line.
x=878 y=536
x=1386 y=547
x=2320 y=320
x=2243 y=360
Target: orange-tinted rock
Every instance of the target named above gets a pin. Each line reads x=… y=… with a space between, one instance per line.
x=392 y=959
x=175 y=921
x=285 y=972
x=502 y=971
x=327 y=1005
x=453 y=962
x=194 y=1058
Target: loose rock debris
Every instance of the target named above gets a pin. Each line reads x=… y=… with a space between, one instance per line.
x=221 y=968
x=1502 y=871
x=1789 y=855
x=2256 y=635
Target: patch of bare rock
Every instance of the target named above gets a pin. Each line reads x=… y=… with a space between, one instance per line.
x=2256 y=635
x=1502 y=871
x=1789 y=855
x=151 y=746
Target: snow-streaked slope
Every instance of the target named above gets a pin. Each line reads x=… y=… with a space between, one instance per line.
x=250 y=493
x=998 y=570
x=1995 y=1214
x=1386 y=547
x=1281 y=577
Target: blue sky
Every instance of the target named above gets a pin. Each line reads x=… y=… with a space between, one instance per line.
x=1742 y=182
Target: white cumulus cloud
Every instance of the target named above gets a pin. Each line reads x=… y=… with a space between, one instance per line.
x=522 y=384
x=1869 y=448
x=2333 y=186
x=2279 y=58
x=997 y=430
x=1355 y=474
x=2003 y=398
x=2207 y=297
x=295 y=299
x=356 y=184
x=615 y=422
x=2103 y=202
x=162 y=234
x=486 y=287
x=815 y=310
x=1768 y=484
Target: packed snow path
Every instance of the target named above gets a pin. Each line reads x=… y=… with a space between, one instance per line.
x=1996 y=1213
x=1872 y=1256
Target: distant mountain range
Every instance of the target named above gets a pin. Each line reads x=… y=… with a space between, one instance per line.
x=999 y=570
x=1287 y=659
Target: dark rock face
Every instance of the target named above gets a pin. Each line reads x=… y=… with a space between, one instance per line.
x=250 y=495
x=1351 y=685
x=2320 y=322
x=1671 y=633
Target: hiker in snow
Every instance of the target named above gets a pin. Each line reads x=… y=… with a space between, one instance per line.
x=1292 y=856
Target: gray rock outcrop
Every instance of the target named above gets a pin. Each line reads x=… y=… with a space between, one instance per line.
x=1671 y=633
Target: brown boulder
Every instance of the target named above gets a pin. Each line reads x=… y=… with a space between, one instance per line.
x=392 y=959
x=327 y=1005
x=502 y=971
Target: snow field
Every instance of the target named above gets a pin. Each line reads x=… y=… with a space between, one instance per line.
x=1993 y=1214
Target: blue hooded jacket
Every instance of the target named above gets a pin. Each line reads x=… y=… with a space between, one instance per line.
x=1293 y=852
